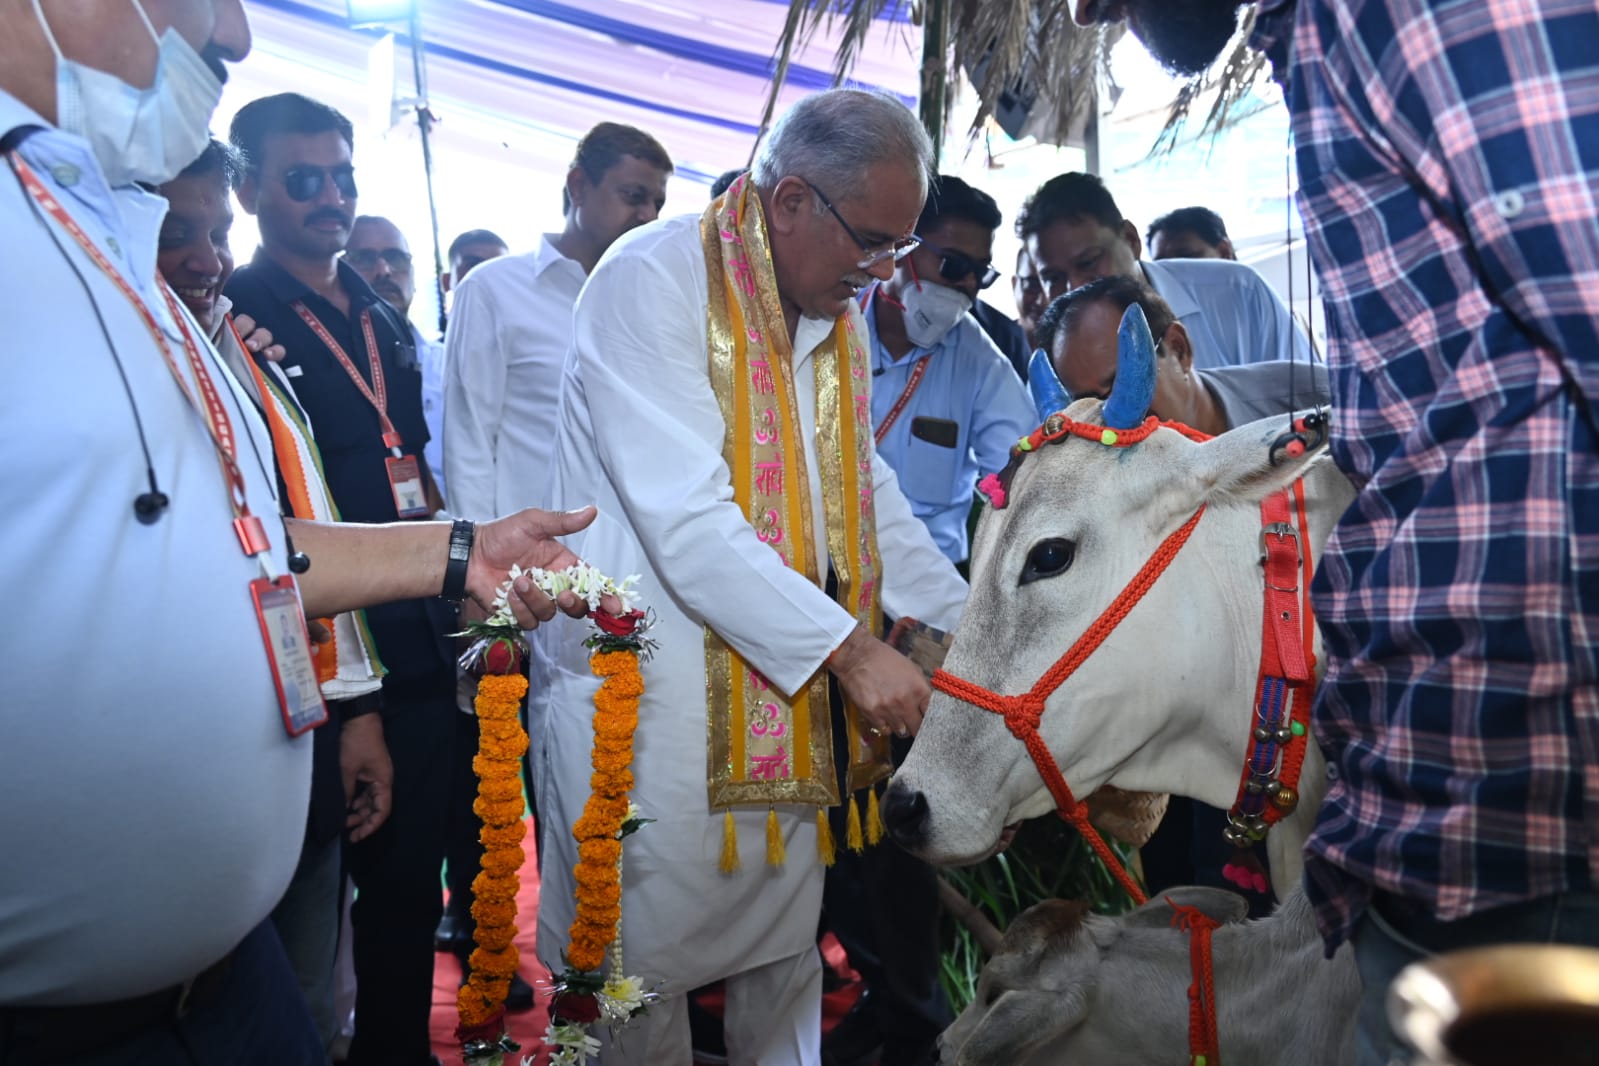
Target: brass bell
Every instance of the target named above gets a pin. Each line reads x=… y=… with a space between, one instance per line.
x=1286 y=798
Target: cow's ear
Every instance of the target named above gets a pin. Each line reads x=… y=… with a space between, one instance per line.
x=1218 y=903
x=1020 y=1024
x=1250 y=462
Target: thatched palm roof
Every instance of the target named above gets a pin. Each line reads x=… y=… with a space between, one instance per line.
x=1021 y=56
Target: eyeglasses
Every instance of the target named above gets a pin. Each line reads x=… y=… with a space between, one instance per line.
x=367 y=258
x=955 y=266
x=875 y=252
x=306 y=183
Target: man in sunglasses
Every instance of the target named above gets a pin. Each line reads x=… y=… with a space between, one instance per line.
x=946 y=405
x=351 y=359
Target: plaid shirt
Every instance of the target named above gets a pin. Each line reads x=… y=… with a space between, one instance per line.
x=1448 y=159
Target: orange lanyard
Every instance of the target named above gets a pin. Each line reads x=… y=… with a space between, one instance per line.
x=376 y=393
x=904 y=398
x=219 y=426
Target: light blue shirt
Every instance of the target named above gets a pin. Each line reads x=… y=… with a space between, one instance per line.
x=1232 y=316
x=968 y=382
x=152 y=807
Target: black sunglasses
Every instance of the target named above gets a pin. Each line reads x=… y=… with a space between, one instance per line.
x=366 y=258
x=955 y=266
x=306 y=183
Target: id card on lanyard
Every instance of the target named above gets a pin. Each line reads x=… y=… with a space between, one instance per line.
x=405 y=473
x=275 y=597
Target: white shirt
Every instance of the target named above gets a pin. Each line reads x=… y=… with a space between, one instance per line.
x=509 y=330
x=151 y=805
x=430 y=359
x=1231 y=314
x=641 y=436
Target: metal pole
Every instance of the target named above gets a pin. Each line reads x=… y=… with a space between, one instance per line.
x=424 y=122
x=935 y=71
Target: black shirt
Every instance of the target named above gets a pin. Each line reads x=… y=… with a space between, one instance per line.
x=349 y=434
x=1006 y=334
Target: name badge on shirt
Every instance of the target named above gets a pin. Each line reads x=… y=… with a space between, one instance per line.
x=405 y=478
x=288 y=648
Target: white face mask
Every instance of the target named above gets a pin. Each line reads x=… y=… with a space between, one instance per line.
x=146 y=135
x=932 y=311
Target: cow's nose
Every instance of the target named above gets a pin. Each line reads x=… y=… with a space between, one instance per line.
x=905 y=812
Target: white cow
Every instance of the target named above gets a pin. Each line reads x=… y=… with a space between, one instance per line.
x=1166 y=704
x=1065 y=988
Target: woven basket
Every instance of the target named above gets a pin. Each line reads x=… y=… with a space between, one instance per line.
x=1131 y=817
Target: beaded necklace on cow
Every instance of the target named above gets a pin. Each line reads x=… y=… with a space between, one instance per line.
x=1277 y=745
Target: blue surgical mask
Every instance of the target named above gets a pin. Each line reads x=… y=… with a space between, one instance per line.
x=146 y=135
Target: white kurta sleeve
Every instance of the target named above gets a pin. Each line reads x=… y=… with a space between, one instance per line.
x=639 y=343
x=919 y=581
x=475 y=371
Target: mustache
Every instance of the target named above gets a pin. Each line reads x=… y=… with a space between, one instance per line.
x=860 y=281
x=385 y=285
x=331 y=214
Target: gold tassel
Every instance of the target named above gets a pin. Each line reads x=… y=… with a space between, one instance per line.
x=852 y=833
x=826 y=846
x=874 y=818
x=729 y=863
x=775 y=853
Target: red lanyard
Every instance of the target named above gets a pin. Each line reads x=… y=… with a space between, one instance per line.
x=904 y=398
x=876 y=292
x=377 y=393
x=252 y=535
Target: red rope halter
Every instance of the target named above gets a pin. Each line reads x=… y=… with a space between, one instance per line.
x=1022 y=713
x=1204 y=1043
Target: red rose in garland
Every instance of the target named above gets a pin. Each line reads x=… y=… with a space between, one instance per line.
x=618 y=625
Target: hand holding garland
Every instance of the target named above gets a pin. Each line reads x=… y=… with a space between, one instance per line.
x=354 y=565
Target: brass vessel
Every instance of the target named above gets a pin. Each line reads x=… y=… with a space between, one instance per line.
x=1518 y=1003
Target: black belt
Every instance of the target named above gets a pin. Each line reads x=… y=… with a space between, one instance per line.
x=40 y=1035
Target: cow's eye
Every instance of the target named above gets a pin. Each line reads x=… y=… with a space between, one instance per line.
x=1048 y=558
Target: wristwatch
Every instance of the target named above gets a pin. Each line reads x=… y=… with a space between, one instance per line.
x=461 y=535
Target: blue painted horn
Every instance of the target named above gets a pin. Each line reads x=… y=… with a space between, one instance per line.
x=1049 y=395
x=1134 y=390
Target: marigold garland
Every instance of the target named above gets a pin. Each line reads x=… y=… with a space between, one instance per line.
x=583 y=996
x=496 y=654
x=493 y=962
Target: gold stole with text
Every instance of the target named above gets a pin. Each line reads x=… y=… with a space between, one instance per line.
x=765 y=748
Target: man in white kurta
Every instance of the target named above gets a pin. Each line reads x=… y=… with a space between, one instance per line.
x=511 y=324
x=641 y=435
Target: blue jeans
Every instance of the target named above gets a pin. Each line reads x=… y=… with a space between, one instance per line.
x=1393 y=933
x=255 y=1017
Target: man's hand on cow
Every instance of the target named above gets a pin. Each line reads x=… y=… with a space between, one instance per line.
x=888 y=688
x=527 y=539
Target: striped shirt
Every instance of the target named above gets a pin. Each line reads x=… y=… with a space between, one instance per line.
x=1448 y=157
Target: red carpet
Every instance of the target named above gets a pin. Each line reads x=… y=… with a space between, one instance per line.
x=527 y=1028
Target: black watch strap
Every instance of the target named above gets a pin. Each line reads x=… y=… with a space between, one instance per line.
x=461 y=534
